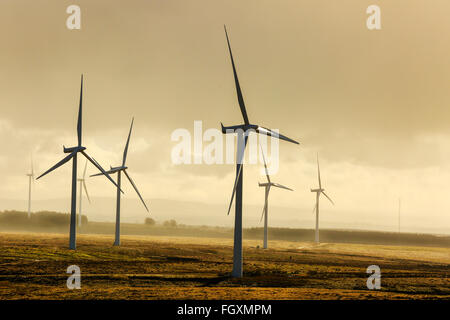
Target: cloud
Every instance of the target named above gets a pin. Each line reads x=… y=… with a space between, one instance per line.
x=374 y=105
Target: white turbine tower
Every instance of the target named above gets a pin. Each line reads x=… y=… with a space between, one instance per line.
x=318 y=192
x=242 y=130
x=265 y=211
x=82 y=182
x=73 y=154
x=123 y=168
x=30 y=178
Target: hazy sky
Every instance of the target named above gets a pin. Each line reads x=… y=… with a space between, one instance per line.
x=374 y=104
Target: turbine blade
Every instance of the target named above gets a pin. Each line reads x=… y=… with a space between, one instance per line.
x=85 y=167
x=328 y=197
x=281 y=186
x=80 y=113
x=265 y=201
x=271 y=133
x=136 y=189
x=318 y=172
x=238 y=174
x=236 y=82
x=32 y=167
x=99 y=167
x=265 y=165
x=125 y=151
x=263 y=211
x=32 y=170
x=58 y=164
x=85 y=190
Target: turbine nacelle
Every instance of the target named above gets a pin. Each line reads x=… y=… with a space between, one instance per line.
x=243 y=127
x=317 y=190
x=73 y=149
x=257 y=129
x=265 y=184
x=121 y=168
x=114 y=170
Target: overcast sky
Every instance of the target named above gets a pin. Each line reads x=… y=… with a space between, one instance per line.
x=373 y=104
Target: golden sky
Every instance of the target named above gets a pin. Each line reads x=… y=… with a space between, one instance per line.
x=374 y=104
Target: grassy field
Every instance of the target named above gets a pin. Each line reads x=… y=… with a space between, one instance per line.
x=33 y=266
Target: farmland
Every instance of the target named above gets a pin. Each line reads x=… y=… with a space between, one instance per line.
x=33 y=266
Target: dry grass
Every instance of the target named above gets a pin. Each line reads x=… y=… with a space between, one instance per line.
x=33 y=266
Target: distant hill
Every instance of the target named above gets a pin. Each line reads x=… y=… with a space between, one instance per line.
x=47 y=220
x=59 y=223
x=197 y=213
x=187 y=212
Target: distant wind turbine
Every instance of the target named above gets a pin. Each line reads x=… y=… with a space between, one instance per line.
x=267 y=186
x=119 y=170
x=242 y=131
x=30 y=178
x=399 y=210
x=73 y=152
x=82 y=182
x=318 y=192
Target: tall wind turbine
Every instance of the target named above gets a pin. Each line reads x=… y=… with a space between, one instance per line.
x=399 y=210
x=82 y=182
x=242 y=131
x=267 y=186
x=119 y=170
x=73 y=152
x=30 y=178
x=318 y=192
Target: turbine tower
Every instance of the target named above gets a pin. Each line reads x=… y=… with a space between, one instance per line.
x=267 y=186
x=73 y=152
x=119 y=170
x=82 y=182
x=242 y=131
x=318 y=192
x=30 y=178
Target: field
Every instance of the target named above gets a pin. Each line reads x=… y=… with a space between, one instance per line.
x=33 y=266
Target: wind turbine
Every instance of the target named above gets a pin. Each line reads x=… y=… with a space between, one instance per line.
x=30 y=178
x=82 y=182
x=318 y=192
x=119 y=170
x=267 y=186
x=73 y=152
x=399 y=210
x=242 y=131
